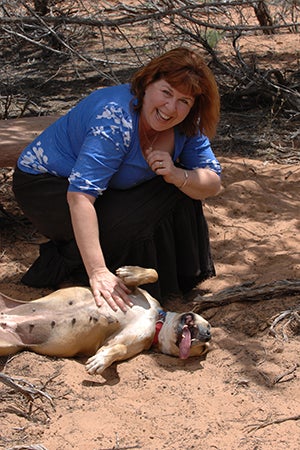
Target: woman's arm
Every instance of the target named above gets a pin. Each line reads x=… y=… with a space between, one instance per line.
x=104 y=284
x=197 y=183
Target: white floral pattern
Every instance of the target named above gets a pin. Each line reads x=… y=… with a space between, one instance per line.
x=84 y=185
x=115 y=113
x=35 y=159
x=96 y=145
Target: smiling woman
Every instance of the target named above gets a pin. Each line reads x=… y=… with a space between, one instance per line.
x=187 y=72
x=119 y=181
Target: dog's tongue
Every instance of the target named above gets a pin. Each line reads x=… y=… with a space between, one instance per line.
x=185 y=344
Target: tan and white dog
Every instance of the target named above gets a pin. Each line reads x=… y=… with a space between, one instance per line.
x=67 y=323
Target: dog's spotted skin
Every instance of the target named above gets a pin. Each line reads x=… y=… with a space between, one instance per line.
x=68 y=323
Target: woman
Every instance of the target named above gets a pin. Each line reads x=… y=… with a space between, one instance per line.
x=120 y=178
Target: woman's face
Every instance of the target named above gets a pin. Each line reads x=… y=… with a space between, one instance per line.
x=164 y=106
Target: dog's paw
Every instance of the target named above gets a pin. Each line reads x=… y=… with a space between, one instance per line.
x=95 y=364
x=125 y=271
x=135 y=275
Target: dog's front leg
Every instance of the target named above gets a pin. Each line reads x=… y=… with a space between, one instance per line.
x=120 y=347
x=105 y=357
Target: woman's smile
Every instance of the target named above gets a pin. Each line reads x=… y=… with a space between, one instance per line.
x=164 y=106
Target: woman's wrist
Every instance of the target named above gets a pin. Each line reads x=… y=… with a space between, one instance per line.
x=185 y=180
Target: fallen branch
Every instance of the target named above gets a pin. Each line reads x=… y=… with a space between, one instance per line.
x=270 y=382
x=291 y=371
x=247 y=292
x=28 y=447
x=30 y=392
x=24 y=387
x=291 y=315
x=266 y=423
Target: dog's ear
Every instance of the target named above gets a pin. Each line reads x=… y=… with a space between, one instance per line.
x=135 y=276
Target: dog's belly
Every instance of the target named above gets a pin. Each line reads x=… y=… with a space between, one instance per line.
x=68 y=322
x=60 y=324
x=69 y=338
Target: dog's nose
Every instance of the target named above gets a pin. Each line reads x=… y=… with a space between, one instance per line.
x=207 y=335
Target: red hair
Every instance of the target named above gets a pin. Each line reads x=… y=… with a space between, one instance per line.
x=187 y=72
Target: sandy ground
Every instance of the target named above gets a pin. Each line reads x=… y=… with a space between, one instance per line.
x=243 y=395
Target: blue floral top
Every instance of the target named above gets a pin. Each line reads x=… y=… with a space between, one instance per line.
x=96 y=145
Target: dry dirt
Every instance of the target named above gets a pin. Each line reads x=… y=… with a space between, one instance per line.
x=243 y=395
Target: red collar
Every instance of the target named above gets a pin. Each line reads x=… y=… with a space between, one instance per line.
x=159 y=323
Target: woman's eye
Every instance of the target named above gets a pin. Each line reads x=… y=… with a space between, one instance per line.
x=186 y=101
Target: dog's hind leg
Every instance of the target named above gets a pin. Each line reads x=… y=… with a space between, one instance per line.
x=135 y=275
x=7 y=302
x=9 y=342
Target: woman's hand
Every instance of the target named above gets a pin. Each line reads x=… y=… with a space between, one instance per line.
x=197 y=183
x=105 y=285
x=162 y=164
x=108 y=287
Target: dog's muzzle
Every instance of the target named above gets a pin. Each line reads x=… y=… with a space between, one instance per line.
x=190 y=333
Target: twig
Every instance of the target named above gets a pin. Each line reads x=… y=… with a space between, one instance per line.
x=28 y=447
x=145 y=17
x=292 y=314
x=289 y=372
x=30 y=392
x=266 y=423
x=25 y=388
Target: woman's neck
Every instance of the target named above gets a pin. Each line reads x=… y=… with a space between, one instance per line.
x=148 y=136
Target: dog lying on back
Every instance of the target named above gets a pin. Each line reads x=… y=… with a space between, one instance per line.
x=68 y=322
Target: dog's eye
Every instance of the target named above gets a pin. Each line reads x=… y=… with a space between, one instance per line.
x=187 y=319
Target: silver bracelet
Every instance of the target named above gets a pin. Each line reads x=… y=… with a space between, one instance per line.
x=186 y=176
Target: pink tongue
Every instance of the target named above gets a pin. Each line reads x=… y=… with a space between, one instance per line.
x=185 y=344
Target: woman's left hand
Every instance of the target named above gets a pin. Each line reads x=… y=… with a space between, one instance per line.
x=162 y=164
x=199 y=184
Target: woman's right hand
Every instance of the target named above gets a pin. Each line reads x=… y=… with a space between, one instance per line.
x=107 y=287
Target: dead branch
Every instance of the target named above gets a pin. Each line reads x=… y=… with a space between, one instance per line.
x=142 y=15
x=270 y=382
x=28 y=447
x=54 y=32
x=263 y=16
x=30 y=392
x=290 y=316
x=267 y=423
x=247 y=292
x=291 y=371
x=24 y=387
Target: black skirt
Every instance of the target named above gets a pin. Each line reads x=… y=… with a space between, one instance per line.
x=152 y=225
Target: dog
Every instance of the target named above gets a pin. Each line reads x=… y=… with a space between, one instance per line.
x=68 y=322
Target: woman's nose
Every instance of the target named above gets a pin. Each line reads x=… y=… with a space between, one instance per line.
x=171 y=105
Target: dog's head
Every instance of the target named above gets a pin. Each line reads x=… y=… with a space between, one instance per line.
x=193 y=333
x=184 y=335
